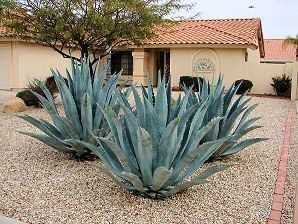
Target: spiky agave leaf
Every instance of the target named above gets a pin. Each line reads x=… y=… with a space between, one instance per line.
x=80 y=99
x=235 y=112
x=151 y=154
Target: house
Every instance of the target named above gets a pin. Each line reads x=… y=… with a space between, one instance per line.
x=232 y=47
x=203 y=48
x=22 y=61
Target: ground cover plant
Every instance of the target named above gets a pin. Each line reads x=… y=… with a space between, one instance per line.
x=81 y=97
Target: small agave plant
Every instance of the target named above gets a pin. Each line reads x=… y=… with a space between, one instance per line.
x=235 y=112
x=154 y=149
x=81 y=98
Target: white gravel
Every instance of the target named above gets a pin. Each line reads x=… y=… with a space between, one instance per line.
x=40 y=185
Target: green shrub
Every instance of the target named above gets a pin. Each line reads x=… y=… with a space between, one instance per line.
x=83 y=117
x=154 y=149
x=188 y=81
x=51 y=84
x=282 y=85
x=28 y=97
x=236 y=116
x=245 y=86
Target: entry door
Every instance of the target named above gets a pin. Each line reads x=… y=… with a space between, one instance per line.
x=164 y=63
x=5 y=67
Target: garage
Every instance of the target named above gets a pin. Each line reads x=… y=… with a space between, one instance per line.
x=5 y=52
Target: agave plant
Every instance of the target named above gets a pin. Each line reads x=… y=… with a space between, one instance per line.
x=154 y=149
x=235 y=112
x=82 y=116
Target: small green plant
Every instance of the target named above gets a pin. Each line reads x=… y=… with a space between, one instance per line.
x=244 y=86
x=236 y=120
x=29 y=98
x=189 y=81
x=81 y=99
x=282 y=85
x=154 y=148
x=51 y=84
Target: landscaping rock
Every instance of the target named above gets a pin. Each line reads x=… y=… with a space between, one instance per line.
x=14 y=105
x=6 y=220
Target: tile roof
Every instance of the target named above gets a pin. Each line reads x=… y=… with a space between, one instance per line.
x=276 y=51
x=213 y=31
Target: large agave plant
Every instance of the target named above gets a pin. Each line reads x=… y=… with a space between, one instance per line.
x=154 y=148
x=235 y=112
x=82 y=116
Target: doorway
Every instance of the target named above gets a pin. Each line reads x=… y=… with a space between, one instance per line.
x=164 y=63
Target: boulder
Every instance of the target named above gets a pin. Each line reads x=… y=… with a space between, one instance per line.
x=14 y=105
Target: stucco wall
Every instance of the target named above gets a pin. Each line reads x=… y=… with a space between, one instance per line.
x=35 y=61
x=231 y=63
x=261 y=75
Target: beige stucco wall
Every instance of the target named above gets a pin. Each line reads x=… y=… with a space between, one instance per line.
x=229 y=62
x=294 y=89
x=29 y=60
x=35 y=61
x=261 y=75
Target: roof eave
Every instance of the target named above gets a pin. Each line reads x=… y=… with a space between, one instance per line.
x=261 y=40
x=252 y=46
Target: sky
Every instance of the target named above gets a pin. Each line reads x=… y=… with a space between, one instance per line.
x=279 y=17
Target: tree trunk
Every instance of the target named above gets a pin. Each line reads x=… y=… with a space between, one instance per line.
x=85 y=53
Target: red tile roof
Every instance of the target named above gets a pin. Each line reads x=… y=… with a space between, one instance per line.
x=217 y=31
x=275 y=50
x=213 y=31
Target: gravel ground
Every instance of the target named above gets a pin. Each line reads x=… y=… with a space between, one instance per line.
x=5 y=95
x=40 y=185
x=292 y=176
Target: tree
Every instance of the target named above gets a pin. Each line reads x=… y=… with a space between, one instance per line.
x=93 y=27
x=292 y=41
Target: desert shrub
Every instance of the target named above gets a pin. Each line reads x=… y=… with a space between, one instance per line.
x=245 y=86
x=188 y=81
x=236 y=120
x=282 y=85
x=81 y=101
x=51 y=84
x=28 y=96
x=154 y=148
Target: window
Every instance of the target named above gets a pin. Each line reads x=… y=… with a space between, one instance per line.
x=122 y=60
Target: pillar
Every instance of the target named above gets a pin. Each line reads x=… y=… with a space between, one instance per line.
x=140 y=65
